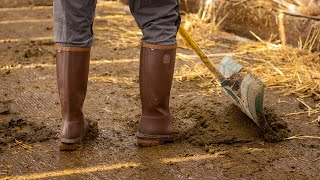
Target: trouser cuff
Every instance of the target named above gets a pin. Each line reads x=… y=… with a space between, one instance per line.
x=72 y=49
x=160 y=47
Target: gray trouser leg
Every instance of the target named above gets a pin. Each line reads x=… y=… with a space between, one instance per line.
x=159 y=20
x=73 y=20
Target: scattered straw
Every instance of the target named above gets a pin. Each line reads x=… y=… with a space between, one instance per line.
x=306 y=105
x=303 y=112
x=24 y=146
x=303 y=137
x=315 y=121
x=293 y=71
x=282 y=29
x=112 y=79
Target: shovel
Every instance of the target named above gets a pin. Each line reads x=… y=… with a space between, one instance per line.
x=245 y=89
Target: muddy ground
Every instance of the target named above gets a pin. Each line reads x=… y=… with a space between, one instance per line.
x=216 y=140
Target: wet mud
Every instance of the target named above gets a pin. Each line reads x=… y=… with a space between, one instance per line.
x=93 y=130
x=4 y=108
x=15 y=129
x=278 y=125
x=215 y=140
x=212 y=128
x=25 y=131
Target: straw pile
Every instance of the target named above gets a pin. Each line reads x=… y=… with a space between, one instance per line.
x=293 y=71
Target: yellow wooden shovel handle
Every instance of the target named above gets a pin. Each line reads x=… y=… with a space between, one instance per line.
x=201 y=54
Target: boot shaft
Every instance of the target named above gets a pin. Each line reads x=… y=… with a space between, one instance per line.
x=156 y=74
x=72 y=74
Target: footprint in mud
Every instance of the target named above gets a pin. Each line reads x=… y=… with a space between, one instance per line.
x=5 y=108
x=23 y=130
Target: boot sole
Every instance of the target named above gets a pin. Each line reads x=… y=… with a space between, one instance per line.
x=73 y=144
x=146 y=140
x=70 y=144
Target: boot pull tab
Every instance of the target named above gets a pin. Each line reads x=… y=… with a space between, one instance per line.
x=166 y=59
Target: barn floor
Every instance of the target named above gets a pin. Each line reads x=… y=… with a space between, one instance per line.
x=216 y=141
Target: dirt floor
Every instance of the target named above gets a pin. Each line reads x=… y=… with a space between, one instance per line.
x=215 y=139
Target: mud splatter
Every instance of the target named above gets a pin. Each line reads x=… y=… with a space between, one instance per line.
x=207 y=132
x=278 y=125
x=25 y=131
x=221 y=127
x=4 y=109
x=233 y=126
x=93 y=130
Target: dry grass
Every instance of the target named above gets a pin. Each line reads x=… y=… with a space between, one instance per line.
x=281 y=67
x=291 y=70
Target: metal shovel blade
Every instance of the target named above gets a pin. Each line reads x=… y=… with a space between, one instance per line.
x=247 y=92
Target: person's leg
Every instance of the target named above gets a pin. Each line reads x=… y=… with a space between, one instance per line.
x=159 y=22
x=73 y=37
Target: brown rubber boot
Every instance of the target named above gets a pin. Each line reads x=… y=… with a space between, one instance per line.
x=156 y=74
x=72 y=74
